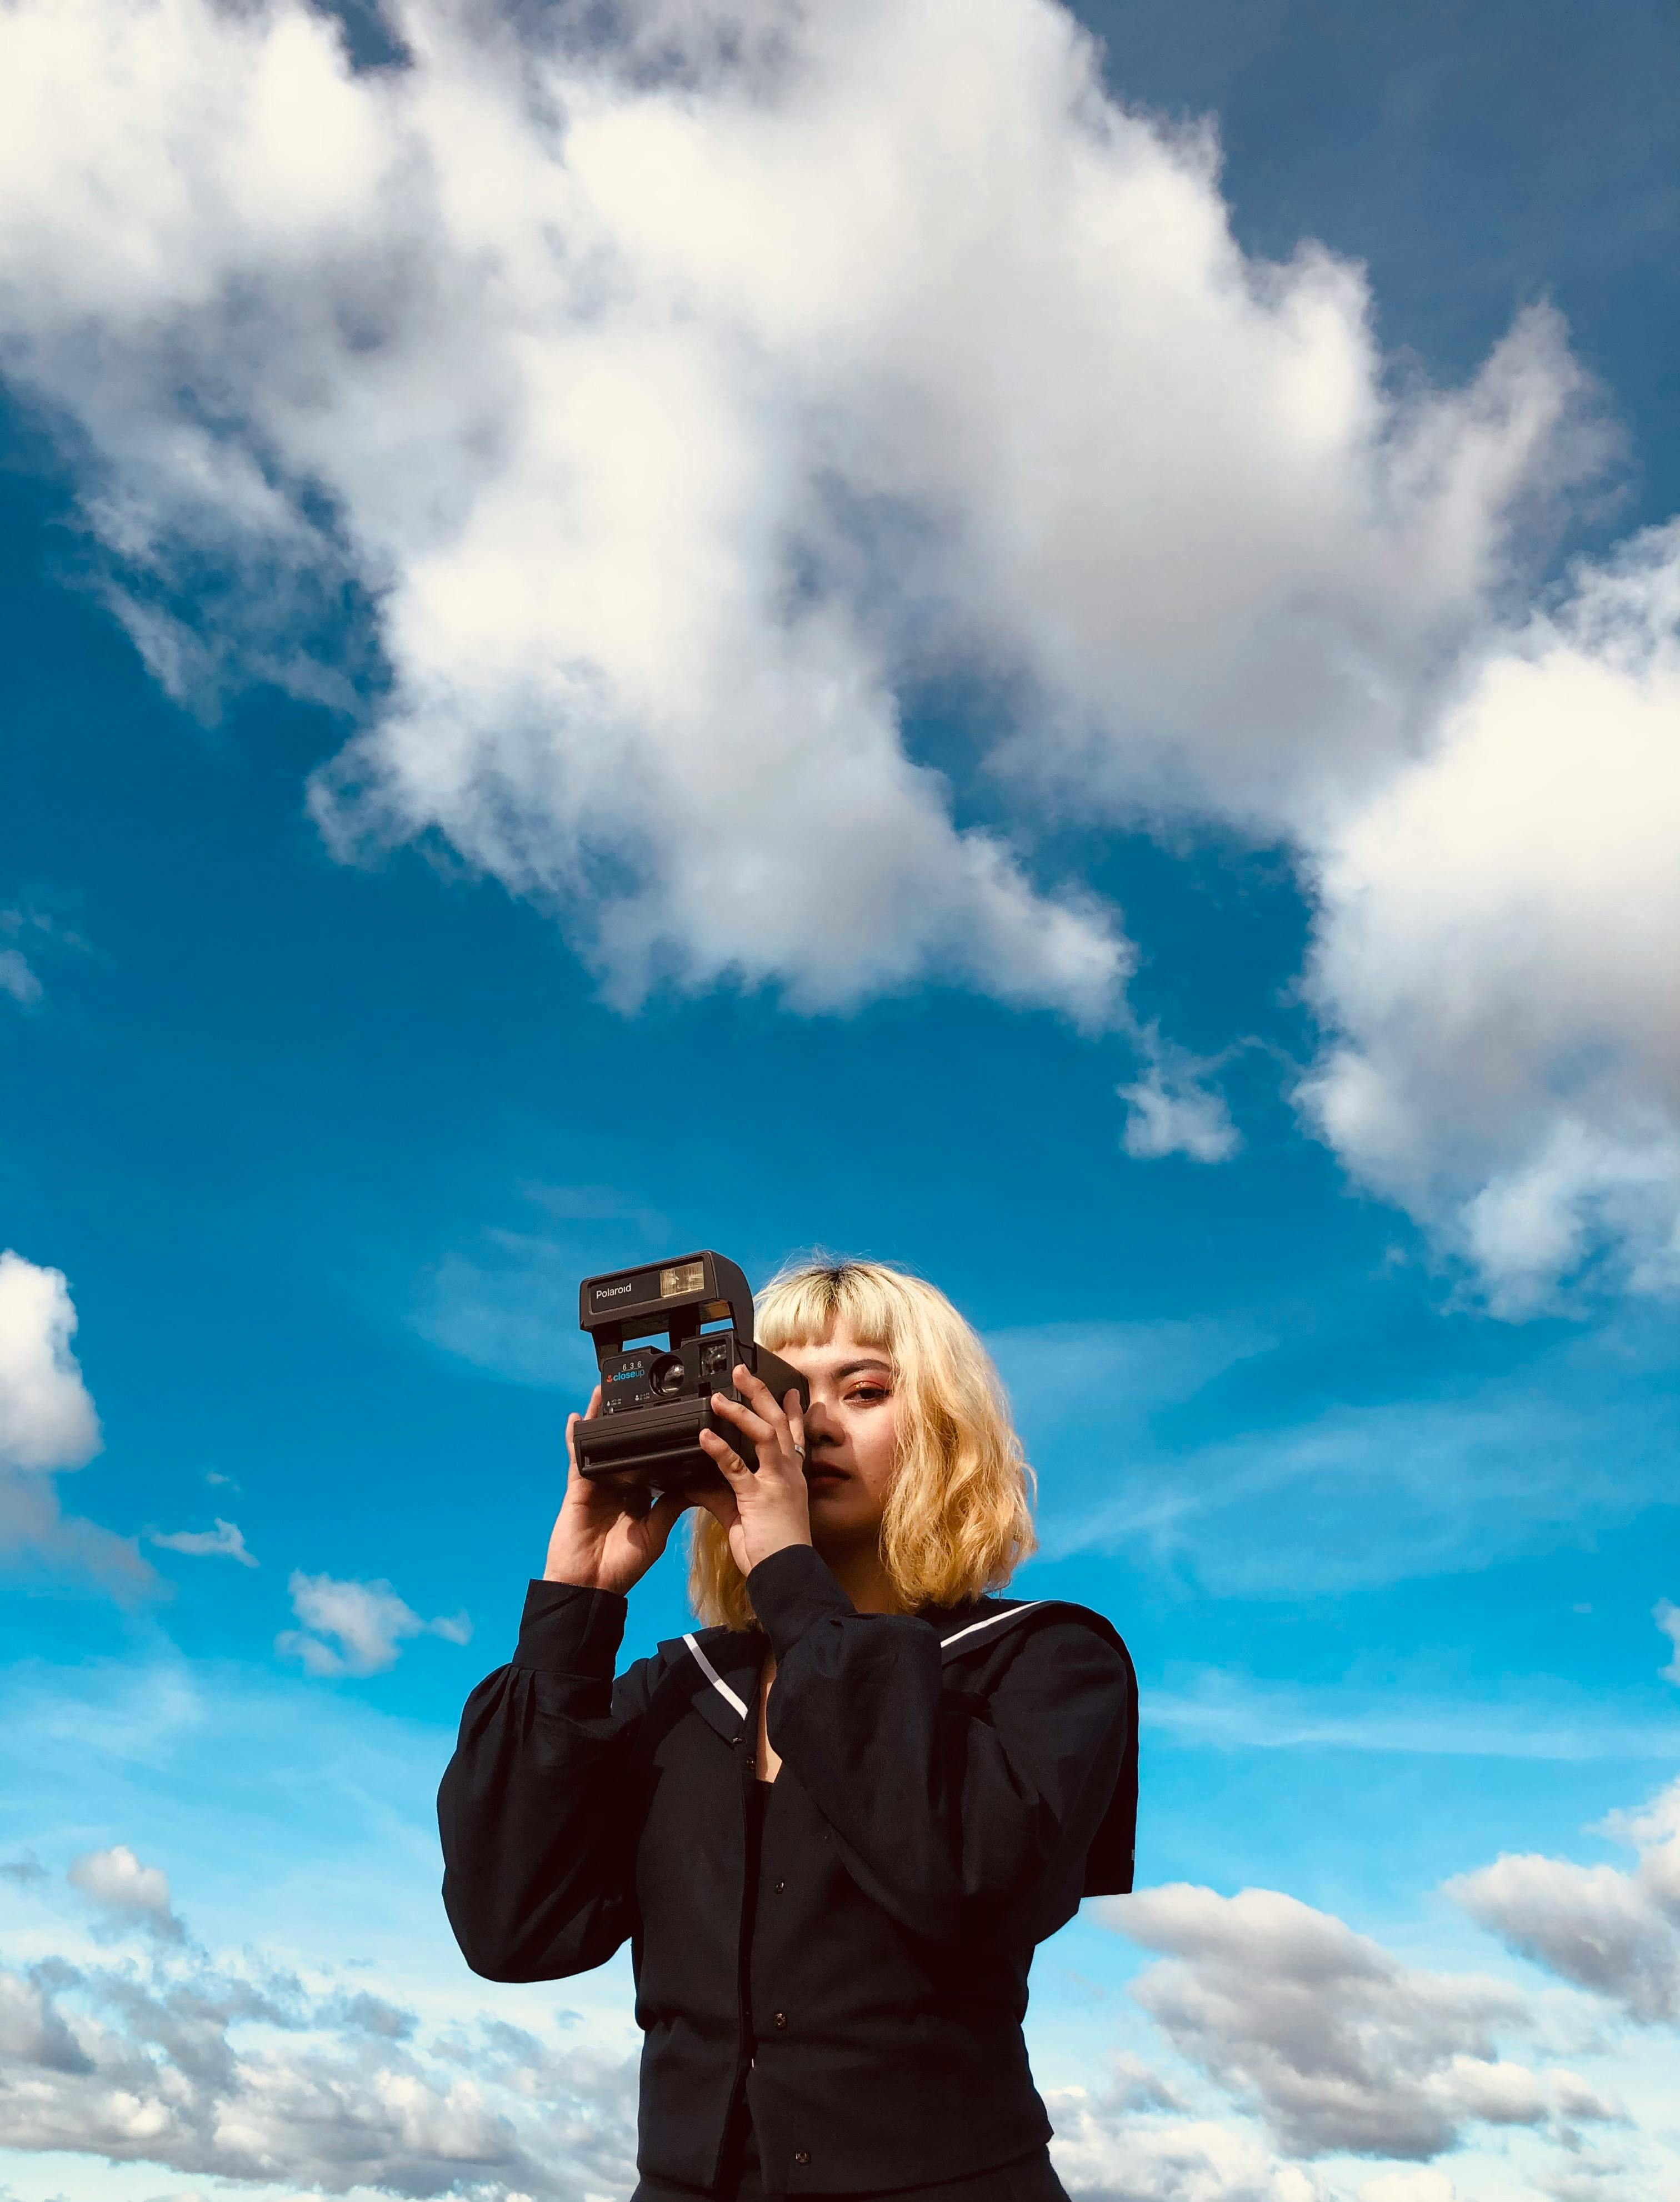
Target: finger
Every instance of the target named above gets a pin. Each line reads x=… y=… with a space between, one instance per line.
x=668 y=1511
x=574 y=1477
x=661 y=1519
x=719 y=1449
x=751 y=1425
x=759 y=1396
x=794 y=1408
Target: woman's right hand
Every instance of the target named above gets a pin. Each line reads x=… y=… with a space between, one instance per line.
x=607 y=1535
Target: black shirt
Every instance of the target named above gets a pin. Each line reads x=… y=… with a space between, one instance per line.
x=951 y=1785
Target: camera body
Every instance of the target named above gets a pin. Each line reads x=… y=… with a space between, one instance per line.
x=667 y=1335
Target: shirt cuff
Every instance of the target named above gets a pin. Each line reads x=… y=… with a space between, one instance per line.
x=567 y=1630
x=790 y=1592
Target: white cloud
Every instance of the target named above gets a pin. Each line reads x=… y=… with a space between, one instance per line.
x=1499 y=949
x=1654 y=1832
x=682 y=399
x=368 y=1619
x=226 y=1541
x=1604 y=1929
x=117 y=1883
x=263 y=2068
x=1420 y=2185
x=1338 y=2045
x=47 y=1423
x=46 y=1417
x=1103 y=2152
x=1172 y=1110
x=17 y=980
x=1668 y=1618
x=1592 y=1924
x=239 y=2071
x=683 y=402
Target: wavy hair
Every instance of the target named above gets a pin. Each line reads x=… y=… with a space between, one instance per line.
x=959 y=1518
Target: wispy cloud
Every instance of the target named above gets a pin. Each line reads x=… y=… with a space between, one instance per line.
x=17 y=980
x=1668 y=1618
x=1581 y=1434
x=507 y=1301
x=226 y=1541
x=32 y=931
x=356 y=1627
x=1218 y=1711
x=1172 y=1109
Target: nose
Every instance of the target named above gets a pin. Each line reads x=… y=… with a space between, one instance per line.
x=820 y=1427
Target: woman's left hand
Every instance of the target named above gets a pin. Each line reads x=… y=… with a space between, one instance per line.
x=767 y=1510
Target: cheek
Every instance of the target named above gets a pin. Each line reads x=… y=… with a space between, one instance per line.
x=876 y=1449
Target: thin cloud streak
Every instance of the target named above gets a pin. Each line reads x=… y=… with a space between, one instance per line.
x=1217 y=1711
x=1581 y=1436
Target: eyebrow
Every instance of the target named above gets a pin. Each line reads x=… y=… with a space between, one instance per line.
x=853 y=1368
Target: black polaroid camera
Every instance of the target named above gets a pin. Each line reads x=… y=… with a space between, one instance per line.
x=666 y=1339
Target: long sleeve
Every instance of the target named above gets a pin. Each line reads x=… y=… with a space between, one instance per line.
x=537 y=1857
x=947 y=1810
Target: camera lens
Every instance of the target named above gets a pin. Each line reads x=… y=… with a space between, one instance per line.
x=664 y=1378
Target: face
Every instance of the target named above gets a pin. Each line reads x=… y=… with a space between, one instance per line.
x=851 y=1434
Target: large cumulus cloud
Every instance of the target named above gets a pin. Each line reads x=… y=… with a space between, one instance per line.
x=1500 y=949
x=627 y=425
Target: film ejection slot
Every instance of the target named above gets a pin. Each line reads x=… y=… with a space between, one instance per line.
x=659 y=1366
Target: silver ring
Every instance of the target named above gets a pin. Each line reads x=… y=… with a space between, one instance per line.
x=800 y=1450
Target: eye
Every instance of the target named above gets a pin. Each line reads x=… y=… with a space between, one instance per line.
x=868 y=1395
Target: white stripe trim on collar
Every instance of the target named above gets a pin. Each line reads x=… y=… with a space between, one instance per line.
x=991 y=1620
x=715 y=1679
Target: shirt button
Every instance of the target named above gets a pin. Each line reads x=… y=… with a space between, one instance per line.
x=782 y=2019
x=802 y=2156
x=781 y=1889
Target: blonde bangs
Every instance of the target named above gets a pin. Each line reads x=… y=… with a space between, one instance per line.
x=958 y=1520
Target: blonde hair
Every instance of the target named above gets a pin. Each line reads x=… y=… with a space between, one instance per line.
x=959 y=1518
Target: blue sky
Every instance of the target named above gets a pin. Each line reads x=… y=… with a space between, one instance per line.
x=878 y=681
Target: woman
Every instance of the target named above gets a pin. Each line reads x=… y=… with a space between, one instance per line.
x=833 y=1825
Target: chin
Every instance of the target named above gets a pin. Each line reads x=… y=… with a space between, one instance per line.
x=833 y=1533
